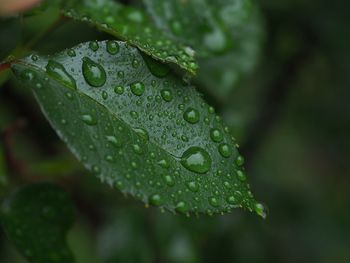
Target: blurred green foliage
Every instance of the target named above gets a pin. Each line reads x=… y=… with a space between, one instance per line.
x=291 y=117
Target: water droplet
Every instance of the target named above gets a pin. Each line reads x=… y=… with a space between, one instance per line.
x=157 y=69
x=112 y=47
x=169 y=180
x=58 y=72
x=191 y=115
x=216 y=135
x=155 y=200
x=240 y=160
x=166 y=95
x=104 y=95
x=93 y=45
x=28 y=75
x=164 y=163
x=241 y=175
x=196 y=160
x=225 y=150
x=94 y=73
x=137 y=149
x=134 y=114
x=213 y=201
x=260 y=210
x=71 y=53
x=142 y=132
x=193 y=186
x=88 y=119
x=119 y=90
x=34 y=57
x=181 y=207
x=135 y=63
x=231 y=200
x=138 y=88
x=114 y=141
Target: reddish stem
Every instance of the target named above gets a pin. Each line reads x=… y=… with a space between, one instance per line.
x=4 y=66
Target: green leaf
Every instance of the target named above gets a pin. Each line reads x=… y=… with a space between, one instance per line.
x=223 y=32
x=36 y=219
x=153 y=137
x=132 y=25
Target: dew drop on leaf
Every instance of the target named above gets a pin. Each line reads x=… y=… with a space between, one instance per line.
x=138 y=88
x=225 y=150
x=112 y=47
x=166 y=95
x=191 y=115
x=58 y=72
x=155 y=200
x=119 y=90
x=196 y=160
x=216 y=135
x=88 y=119
x=94 y=73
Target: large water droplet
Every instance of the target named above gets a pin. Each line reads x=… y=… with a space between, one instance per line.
x=114 y=141
x=94 y=73
x=196 y=160
x=93 y=45
x=157 y=69
x=58 y=72
x=191 y=115
x=138 y=88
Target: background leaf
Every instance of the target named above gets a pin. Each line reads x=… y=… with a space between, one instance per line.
x=153 y=137
x=132 y=25
x=36 y=218
x=227 y=34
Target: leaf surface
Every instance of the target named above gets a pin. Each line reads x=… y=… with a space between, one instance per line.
x=133 y=26
x=36 y=219
x=139 y=128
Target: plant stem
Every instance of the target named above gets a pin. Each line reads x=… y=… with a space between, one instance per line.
x=4 y=66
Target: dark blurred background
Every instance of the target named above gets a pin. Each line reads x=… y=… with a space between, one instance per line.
x=291 y=117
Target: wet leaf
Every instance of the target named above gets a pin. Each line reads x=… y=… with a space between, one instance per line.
x=36 y=219
x=149 y=136
x=132 y=25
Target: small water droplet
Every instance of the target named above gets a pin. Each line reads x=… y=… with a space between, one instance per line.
x=119 y=90
x=93 y=45
x=155 y=200
x=112 y=47
x=104 y=95
x=71 y=53
x=191 y=115
x=137 y=149
x=181 y=207
x=260 y=210
x=216 y=135
x=241 y=175
x=88 y=119
x=138 y=88
x=166 y=95
x=94 y=73
x=193 y=186
x=142 y=132
x=169 y=180
x=213 y=201
x=240 y=160
x=225 y=150
x=196 y=160
x=114 y=141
